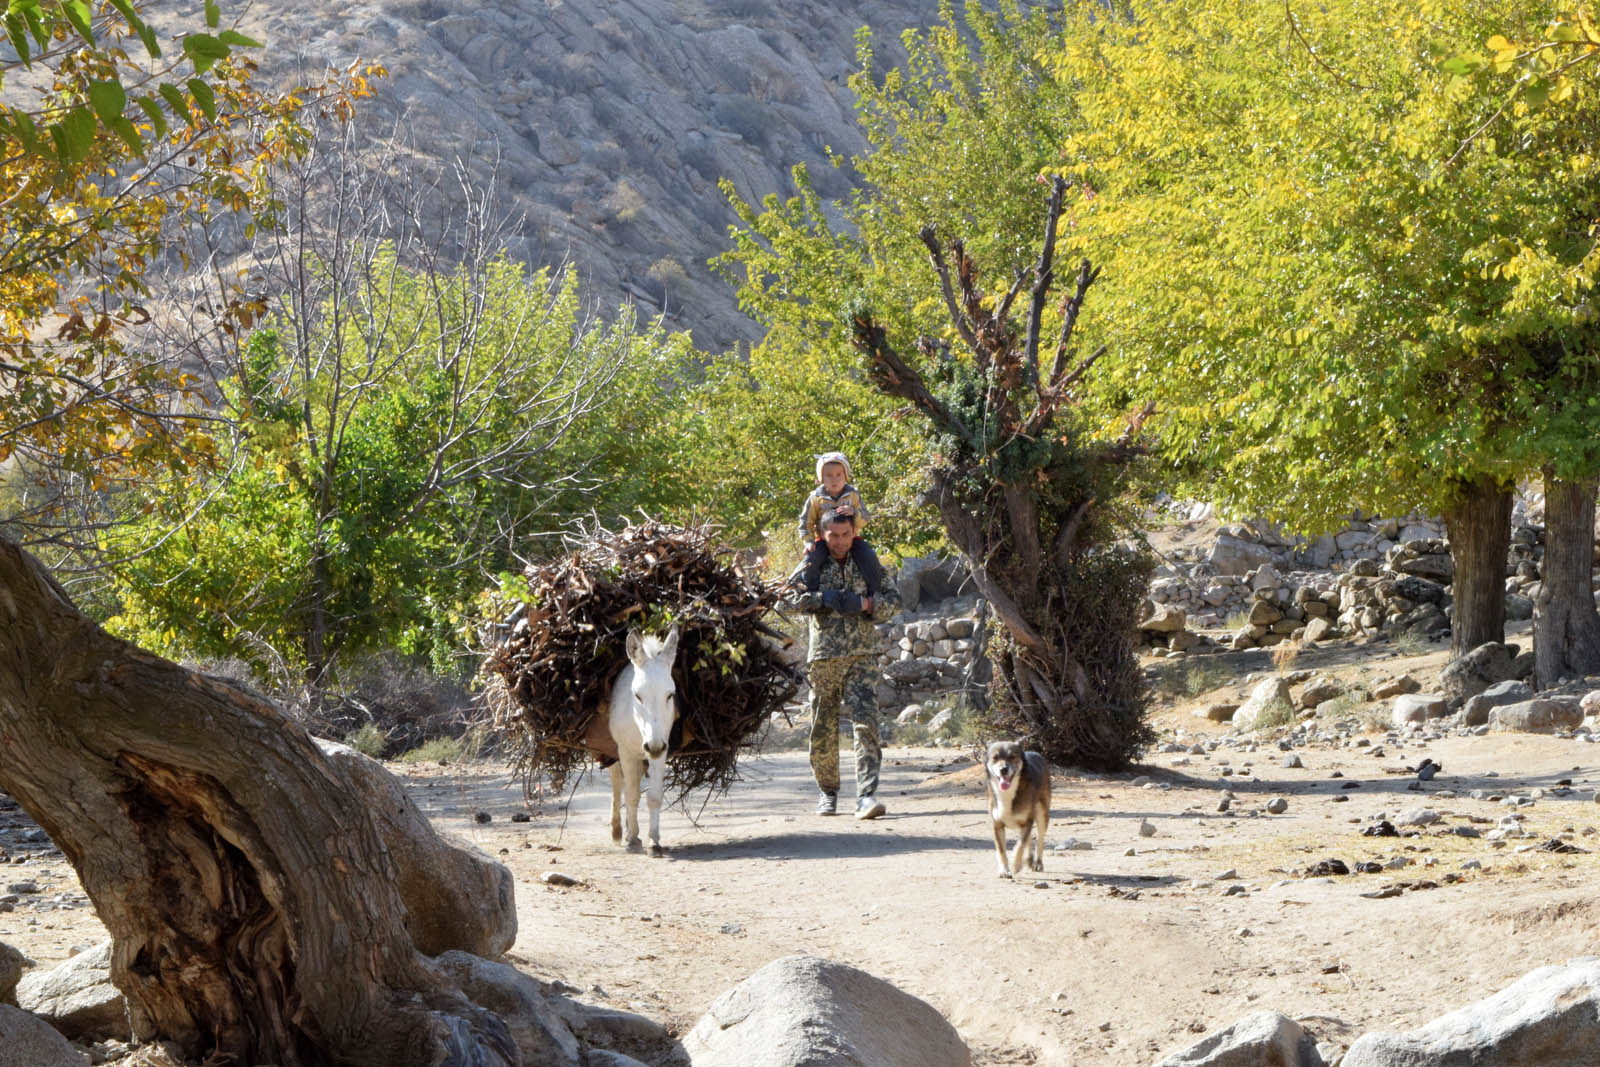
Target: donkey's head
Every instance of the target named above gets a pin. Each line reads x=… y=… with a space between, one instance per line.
x=654 y=704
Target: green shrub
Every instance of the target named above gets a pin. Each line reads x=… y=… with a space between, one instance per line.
x=438 y=750
x=1275 y=715
x=368 y=740
x=1410 y=643
x=1204 y=677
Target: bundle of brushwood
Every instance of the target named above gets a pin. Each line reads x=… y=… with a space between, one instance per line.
x=554 y=665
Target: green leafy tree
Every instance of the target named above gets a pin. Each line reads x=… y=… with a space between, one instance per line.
x=957 y=139
x=1345 y=266
x=361 y=505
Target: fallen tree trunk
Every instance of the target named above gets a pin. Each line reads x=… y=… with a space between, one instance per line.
x=254 y=903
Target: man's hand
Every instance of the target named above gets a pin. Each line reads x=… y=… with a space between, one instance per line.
x=866 y=606
x=841 y=600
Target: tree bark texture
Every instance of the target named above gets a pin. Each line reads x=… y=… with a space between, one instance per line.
x=253 y=904
x=1566 y=627
x=1479 y=526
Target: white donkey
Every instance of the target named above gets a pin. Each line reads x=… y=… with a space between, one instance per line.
x=643 y=708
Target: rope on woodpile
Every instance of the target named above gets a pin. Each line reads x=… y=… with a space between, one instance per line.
x=553 y=666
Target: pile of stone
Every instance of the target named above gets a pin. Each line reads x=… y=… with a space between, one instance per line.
x=1365 y=581
x=934 y=647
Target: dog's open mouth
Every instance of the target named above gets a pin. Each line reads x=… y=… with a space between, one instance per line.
x=1005 y=780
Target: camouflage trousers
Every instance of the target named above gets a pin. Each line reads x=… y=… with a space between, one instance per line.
x=846 y=680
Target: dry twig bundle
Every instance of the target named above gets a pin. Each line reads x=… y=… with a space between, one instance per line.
x=566 y=645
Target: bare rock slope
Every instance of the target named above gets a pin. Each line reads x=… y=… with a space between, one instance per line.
x=614 y=119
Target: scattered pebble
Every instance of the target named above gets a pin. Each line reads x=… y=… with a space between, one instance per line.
x=1277 y=806
x=557 y=878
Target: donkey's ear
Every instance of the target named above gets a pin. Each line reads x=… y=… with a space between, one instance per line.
x=635 y=649
x=669 y=647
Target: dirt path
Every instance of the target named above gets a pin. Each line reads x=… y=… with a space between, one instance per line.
x=1109 y=957
x=1114 y=956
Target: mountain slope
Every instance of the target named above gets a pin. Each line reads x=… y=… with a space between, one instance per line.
x=613 y=119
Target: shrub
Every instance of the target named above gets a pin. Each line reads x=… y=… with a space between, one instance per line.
x=369 y=741
x=439 y=750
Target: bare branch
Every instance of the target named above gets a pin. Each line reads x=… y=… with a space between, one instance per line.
x=1061 y=551
x=1042 y=278
x=1069 y=319
x=897 y=378
x=935 y=253
x=1011 y=296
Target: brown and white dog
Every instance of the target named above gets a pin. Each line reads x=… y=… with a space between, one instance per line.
x=1019 y=798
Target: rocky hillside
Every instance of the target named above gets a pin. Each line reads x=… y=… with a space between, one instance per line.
x=613 y=119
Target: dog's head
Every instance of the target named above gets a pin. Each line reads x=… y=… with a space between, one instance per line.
x=1004 y=763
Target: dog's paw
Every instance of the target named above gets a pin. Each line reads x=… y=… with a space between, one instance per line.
x=1004 y=873
x=1036 y=865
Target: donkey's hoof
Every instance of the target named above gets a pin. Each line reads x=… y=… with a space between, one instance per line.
x=635 y=845
x=657 y=850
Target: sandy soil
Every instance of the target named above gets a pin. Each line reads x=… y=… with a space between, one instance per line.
x=1113 y=956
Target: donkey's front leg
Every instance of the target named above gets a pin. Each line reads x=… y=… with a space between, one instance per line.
x=654 y=786
x=630 y=799
x=616 y=802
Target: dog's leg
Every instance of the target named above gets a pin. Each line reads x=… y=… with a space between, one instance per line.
x=1022 y=846
x=1041 y=823
x=1000 y=847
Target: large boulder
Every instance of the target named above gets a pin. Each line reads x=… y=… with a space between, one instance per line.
x=28 y=1041
x=926 y=580
x=11 y=964
x=1270 y=695
x=1548 y=1018
x=1419 y=589
x=1423 y=559
x=1264 y=1039
x=77 y=997
x=1475 y=712
x=1235 y=555
x=1477 y=670
x=455 y=896
x=1536 y=716
x=802 y=1011
x=536 y=1025
x=1162 y=619
x=1416 y=707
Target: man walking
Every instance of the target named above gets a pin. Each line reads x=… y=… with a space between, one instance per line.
x=844 y=604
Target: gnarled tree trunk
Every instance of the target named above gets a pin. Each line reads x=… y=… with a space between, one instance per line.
x=1479 y=526
x=256 y=910
x=1566 y=627
x=1017 y=487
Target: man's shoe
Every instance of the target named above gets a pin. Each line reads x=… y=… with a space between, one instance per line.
x=869 y=807
x=827 y=803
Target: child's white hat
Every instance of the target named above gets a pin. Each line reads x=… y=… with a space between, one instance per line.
x=832 y=457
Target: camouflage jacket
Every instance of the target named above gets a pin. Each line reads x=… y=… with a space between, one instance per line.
x=834 y=634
